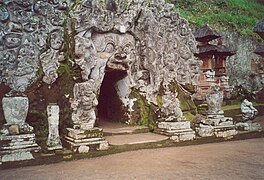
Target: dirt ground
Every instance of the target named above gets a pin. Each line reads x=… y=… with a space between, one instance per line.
x=227 y=160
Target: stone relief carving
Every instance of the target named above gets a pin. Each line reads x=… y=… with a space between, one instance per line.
x=163 y=45
x=26 y=27
x=114 y=52
x=171 y=107
x=83 y=105
x=147 y=39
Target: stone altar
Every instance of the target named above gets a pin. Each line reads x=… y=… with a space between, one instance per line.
x=216 y=124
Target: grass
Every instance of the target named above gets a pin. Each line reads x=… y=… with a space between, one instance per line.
x=222 y=15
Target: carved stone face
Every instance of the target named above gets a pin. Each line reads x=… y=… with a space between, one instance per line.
x=117 y=49
x=56 y=39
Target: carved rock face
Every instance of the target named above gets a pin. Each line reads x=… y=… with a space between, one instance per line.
x=117 y=49
x=25 y=29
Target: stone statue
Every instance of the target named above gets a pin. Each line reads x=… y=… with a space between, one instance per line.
x=83 y=105
x=214 y=100
x=248 y=111
x=171 y=107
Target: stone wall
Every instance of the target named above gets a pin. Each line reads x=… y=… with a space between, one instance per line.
x=148 y=41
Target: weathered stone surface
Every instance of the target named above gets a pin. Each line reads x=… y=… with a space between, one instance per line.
x=205 y=131
x=214 y=100
x=15 y=109
x=174 y=125
x=53 y=141
x=225 y=132
x=216 y=124
x=248 y=111
x=84 y=104
x=83 y=149
x=13 y=129
x=81 y=133
x=248 y=126
x=240 y=63
x=92 y=143
x=152 y=48
x=25 y=30
x=17 y=147
x=103 y=146
x=177 y=135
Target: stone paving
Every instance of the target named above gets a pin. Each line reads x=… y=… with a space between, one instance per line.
x=227 y=160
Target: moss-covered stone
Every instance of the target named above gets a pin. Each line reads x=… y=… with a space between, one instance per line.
x=143 y=113
x=186 y=103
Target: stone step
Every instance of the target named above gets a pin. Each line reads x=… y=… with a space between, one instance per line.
x=115 y=128
x=128 y=139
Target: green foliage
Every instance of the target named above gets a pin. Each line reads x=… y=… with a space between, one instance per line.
x=221 y=15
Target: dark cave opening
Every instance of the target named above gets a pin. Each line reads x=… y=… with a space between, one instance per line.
x=110 y=105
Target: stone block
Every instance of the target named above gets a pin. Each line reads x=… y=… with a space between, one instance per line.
x=248 y=126
x=225 y=134
x=81 y=134
x=174 y=125
x=187 y=136
x=177 y=135
x=103 y=146
x=205 y=131
x=13 y=129
x=83 y=149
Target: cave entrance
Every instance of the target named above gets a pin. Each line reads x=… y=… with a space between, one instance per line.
x=110 y=107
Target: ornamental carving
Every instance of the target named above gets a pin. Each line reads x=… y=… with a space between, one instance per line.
x=31 y=34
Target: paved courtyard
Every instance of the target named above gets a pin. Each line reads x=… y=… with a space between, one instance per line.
x=227 y=160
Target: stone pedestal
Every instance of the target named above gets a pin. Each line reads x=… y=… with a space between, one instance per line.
x=53 y=142
x=177 y=131
x=218 y=126
x=82 y=141
x=17 y=141
x=17 y=147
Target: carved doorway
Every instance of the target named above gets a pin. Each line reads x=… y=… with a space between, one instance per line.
x=110 y=105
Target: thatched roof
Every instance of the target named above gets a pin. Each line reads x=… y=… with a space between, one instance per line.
x=206 y=34
x=259 y=29
x=217 y=50
x=260 y=50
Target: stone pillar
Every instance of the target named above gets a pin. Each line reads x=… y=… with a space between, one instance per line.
x=53 y=141
x=17 y=140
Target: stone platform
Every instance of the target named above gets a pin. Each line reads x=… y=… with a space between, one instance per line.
x=17 y=147
x=177 y=131
x=83 y=141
